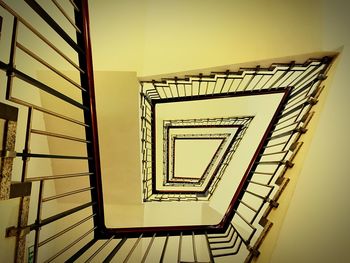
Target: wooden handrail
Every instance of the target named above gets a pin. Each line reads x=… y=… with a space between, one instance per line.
x=87 y=80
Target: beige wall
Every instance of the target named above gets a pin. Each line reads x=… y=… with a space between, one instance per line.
x=316 y=225
x=155 y=36
x=117 y=101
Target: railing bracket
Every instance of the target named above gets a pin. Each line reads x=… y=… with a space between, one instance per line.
x=17 y=232
x=279 y=180
x=254 y=252
x=301 y=130
x=7 y=154
x=293 y=146
x=25 y=154
x=312 y=101
x=263 y=221
x=10 y=72
x=273 y=203
x=19 y=189
x=287 y=163
x=321 y=77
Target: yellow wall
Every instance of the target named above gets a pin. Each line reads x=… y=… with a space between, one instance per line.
x=315 y=228
x=156 y=36
x=117 y=97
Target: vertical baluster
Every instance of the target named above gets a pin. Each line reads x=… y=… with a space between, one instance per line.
x=148 y=248
x=164 y=249
x=194 y=248
x=38 y=221
x=114 y=251
x=81 y=251
x=12 y=59
x=211 y=257
x=132 y=249
x=179 y=250
x=99 y=249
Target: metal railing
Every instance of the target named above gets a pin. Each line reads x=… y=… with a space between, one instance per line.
x=62 y=217
x=263 y=181
x=213 y=173
x=38 y=37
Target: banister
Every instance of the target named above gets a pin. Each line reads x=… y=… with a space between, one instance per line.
x=87 y=80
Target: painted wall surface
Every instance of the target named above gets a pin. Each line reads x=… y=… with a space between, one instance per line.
x=316 y=227
x=156 y=36
x=117 y=97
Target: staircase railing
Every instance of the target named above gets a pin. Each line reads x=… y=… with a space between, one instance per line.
x=264 y=179
x=75 y=229
x=62 y=43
